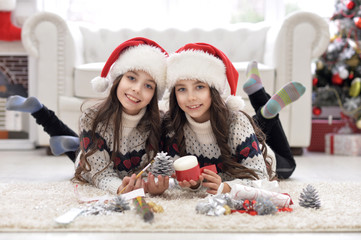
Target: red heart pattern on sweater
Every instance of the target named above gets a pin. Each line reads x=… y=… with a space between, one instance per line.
x=245 y=151
x=135 y=160
x=100 y=143
x=86 y=142
x=255 y=145
x=117 y=161
x=127 y=163
x=175 y=147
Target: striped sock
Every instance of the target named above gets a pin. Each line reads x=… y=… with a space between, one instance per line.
x=253 y=83
x=288 y=94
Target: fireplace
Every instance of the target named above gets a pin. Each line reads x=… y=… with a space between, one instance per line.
x=15 y=130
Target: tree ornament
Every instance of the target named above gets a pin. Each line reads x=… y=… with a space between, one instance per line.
x=319 y=65
x=309 y=198
x=357 y=21
x=353 y=62
x=350 y=5
x=316 y=111
x=336 y=79
x=162 y=165
x=355 y=87
x=343 y=73
x=264 y=206
x=314 y=81
x=358 y=123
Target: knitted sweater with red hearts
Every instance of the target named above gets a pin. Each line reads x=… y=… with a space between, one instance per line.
x=106 y=174
x=201 y=142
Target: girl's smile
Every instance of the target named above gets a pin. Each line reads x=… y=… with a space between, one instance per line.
x=195 y=106
x=194 y=98
x=131 y=98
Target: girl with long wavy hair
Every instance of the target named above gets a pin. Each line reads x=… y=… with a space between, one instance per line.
x=120 y=134
x=203 y=123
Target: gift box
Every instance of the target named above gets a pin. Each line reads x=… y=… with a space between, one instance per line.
x=343 y=144
x=320 y=127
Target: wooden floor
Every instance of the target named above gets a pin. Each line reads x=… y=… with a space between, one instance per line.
x=37 y=166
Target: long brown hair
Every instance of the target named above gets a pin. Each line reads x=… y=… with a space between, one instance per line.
x=175 y=120
x=109 y=111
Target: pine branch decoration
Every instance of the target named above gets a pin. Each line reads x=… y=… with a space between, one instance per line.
x=264 y=206
x=309 y=198
x=162 y=165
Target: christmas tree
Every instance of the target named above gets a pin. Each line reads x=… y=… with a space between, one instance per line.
x=337 y=73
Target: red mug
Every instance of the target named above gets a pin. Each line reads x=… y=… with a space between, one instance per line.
x=187 y=168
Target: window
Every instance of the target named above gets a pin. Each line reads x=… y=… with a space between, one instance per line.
x=180 y=13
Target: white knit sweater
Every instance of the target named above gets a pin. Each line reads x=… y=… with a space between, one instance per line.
x=107 y=174
x=201 y=142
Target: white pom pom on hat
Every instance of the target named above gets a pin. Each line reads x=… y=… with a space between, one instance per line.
x=208 y=64
x=100 y=84
x=235 y=103
x=134 y=54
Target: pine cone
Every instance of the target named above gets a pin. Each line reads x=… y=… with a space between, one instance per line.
x=162 y=165
x=309 y=198
x=119 y=204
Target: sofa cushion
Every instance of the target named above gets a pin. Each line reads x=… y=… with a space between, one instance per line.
x=83 y=75
x=240 y=42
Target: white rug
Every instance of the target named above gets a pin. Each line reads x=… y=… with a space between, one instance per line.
x=33 y=207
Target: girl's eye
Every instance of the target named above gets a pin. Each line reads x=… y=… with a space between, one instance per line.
x=181 y=89
x=149 y=86
x=200 y=87
x=131 y=78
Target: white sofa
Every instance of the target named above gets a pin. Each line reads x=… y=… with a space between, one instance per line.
x=64 y=57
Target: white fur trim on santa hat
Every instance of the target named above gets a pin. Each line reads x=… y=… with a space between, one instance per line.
x=7 y=5
x=235 y=103
x=195 y=64
x=142 y=57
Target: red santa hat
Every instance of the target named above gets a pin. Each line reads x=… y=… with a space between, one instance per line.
x=207 y=64
x=134 y=54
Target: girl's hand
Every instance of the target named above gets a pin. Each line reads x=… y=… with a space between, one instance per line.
x=131 y=183
x=191 y=184
x=157 y=188
x=213 y=181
